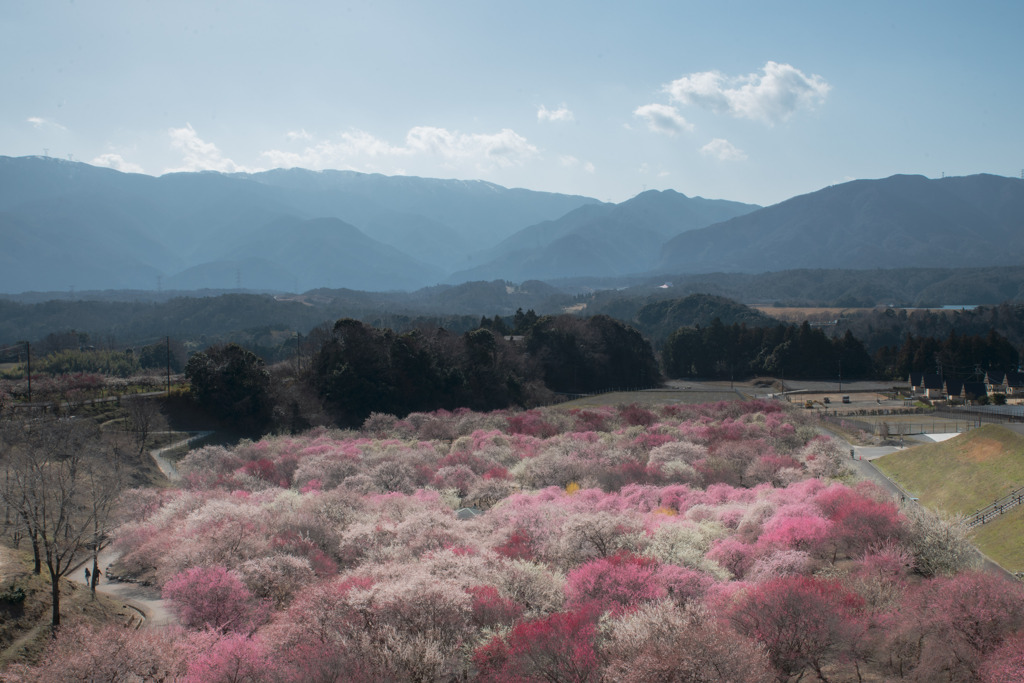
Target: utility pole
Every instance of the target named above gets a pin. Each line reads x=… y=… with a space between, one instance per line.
x=840 y=376
x=28 y=360
x=168 y=338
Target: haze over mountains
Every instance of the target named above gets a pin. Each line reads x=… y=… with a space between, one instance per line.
x=900 y=221
x=70 y=225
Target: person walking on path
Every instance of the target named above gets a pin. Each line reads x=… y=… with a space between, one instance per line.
x=87 y=582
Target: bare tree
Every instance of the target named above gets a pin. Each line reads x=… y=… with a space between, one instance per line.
x=142 y=418
x=60 y=480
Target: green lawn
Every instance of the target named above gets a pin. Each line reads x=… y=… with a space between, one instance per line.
x=963 y=474
x=967 y=473
x=1001 y=539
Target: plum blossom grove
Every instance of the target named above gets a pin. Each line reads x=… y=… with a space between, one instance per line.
x=723 y=542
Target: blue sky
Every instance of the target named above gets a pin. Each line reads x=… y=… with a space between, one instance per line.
x=751 y=101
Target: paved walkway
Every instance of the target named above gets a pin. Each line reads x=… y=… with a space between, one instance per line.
x=144 y=599
x=165 y=465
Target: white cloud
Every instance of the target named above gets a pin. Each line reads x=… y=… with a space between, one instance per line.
x=561 y=114
x=723 y=150
x=772 y=96
x=39 y=123
x=349 y=151
x=200 y=155
x=663 y=118
x=505 y=148
x=360 y=150
x=569 y=161
x=116 y=162
x=300 y=134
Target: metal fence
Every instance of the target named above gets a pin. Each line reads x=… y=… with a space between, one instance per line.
x=944 y=427
x=848 y=423
x=979 y=414
x=891 y=429
x=997 y=508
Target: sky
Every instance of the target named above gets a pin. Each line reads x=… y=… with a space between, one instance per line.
x=748 y=101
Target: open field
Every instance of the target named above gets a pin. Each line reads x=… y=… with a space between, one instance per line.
x=696 y=393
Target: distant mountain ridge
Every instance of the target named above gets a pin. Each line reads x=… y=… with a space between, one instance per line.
x=602 y=239
x=71 y=225
x=897 y=222
x=68 y=226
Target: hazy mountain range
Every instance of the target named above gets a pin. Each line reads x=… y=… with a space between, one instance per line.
x=69 y=225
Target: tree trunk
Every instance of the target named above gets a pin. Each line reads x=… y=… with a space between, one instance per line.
x=37 y=567
x=55 y=612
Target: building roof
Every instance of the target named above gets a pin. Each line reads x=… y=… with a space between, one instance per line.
x=975 y=389
x=1015 y=379
x=995 y=377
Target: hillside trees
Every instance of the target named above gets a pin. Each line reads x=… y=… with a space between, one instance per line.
x=59 y=481
x=584 y=355
x=232 y=384
x=737 y=350
x=360 y=370
x=157 y=356
x=958 y=355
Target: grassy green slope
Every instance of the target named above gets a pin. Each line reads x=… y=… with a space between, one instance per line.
x=967 y=473
x=963 y=474
x=1001 y=540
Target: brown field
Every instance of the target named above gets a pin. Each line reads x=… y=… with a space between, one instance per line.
x=694 y=395
x=821 y=314
x=812 y=314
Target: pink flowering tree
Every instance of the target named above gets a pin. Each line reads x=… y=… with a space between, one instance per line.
x=558 y=648
x=804 y=623
x=214 y=598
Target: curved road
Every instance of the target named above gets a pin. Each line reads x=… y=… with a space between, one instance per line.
x=144 y=599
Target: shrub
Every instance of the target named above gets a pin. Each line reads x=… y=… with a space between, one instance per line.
x=13 y=595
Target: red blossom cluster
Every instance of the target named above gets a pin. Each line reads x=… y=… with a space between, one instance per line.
x=670 y=544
